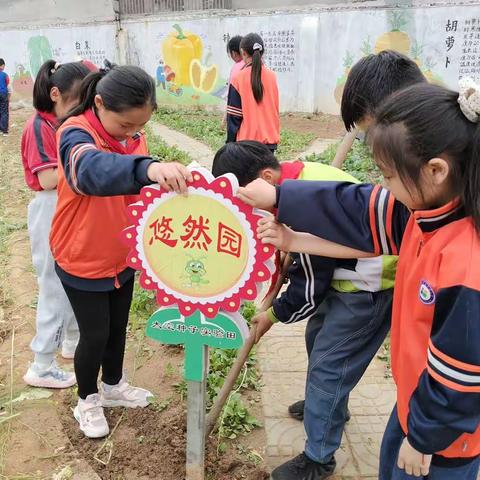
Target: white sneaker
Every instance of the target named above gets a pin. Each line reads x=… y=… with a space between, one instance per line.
x=89 y=414
x=52 y=377
x=68 y=349
x=124 y=395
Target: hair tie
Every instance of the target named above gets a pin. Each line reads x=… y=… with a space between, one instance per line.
x=55 y=68
x=107 y=66
x=257 y=46
x=469 y=99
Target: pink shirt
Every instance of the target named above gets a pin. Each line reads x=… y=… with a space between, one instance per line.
x=237 y=66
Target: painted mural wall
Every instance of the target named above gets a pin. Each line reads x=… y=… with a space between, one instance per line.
x=312 y=54
x=444 y=42
x=190 y=62
x=28 y=49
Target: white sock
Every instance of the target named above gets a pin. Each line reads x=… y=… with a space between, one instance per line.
x=42 y=362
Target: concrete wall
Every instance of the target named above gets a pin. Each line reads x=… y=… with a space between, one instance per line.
x=251 y=4
x=311 y=50
x=49 y=12
x=55 y=12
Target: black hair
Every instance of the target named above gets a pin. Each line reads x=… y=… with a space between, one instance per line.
x=374 y=78
x=233 y=44
x=422 y=122
x=2 y=62
x=245 y=159
x=121 y=88
x=66 y=77
x=253 y=45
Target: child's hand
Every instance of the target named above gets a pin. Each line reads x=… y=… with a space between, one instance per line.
x=259 y=194
x=412 y=461
x=263 y=323
x=170 y=176
x=274 y=233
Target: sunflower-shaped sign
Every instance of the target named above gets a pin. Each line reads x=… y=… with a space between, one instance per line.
x=199 y=251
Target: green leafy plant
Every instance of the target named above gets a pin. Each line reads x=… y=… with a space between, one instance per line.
x=181 y=389
x=162 y=152
x=397 y=20
x=358 y=163
x=206 y=127
x=248 y=310
x=348 y=59
x=249 y=454
x=417 y=49
x=160 y=406
x=366 y=47
x=201 y=125
x=292 y=143
x=143 y=305
x=236 y=419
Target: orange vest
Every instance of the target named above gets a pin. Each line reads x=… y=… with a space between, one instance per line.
x=437 y=257
x=261 y=121
x=85 y=235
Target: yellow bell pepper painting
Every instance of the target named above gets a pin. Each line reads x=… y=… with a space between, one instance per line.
x=179 y=50
x=203 y=78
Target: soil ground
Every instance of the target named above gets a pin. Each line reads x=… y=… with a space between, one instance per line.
x=320 y=124
x=43 y=437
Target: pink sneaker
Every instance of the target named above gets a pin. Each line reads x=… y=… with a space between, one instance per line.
x=52 y=377
x=124 y=395
x=89 y=414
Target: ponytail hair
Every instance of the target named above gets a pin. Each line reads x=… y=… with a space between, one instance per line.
x=426 y=121
x=66 y=77
x=253 y=46
x=121 y=88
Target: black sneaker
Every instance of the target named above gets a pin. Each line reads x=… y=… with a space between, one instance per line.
x=302 y=468
x=296 y=411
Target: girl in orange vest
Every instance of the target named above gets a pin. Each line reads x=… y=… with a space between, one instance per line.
x=426 y=141
x=103 y=161
x=253 y=104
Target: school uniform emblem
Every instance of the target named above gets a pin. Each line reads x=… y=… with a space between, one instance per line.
x=426 y=293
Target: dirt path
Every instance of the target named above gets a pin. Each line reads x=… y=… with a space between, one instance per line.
x=196 y=149
x=320 y=124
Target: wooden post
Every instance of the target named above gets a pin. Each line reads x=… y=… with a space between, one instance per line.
x=196 y=404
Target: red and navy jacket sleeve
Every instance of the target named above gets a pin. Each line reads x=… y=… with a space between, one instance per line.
x=40 y=146
x=446 y=403
x=234 y=113
x=90 y=171
x=310 y=278
x=360 y=216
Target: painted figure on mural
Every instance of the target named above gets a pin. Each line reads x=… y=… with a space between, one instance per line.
x=161 y=74
x=22 y=82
